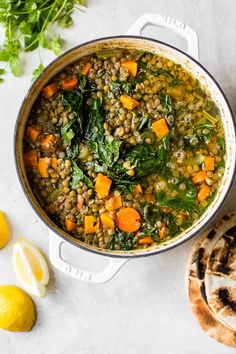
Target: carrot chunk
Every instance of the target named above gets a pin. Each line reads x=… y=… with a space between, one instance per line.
x=209 y=163
x=145 y=240
x=162 y=231
x=32 y=134
x=131 y=66
x=70 y=225
x=31 y=158
x=80 y=201
x=50 y=90
x=85 y=70
x=102 y=185
x=107 y=221
x=91 y=224
x=160 y=127
x=199 y=177
x=48 y=143
x=137 y=190
x=71 y=84
x=113 y=203
x=128 y=219
x=129 y=102
x=204 y=193
x=54 y=163
x=43 y=165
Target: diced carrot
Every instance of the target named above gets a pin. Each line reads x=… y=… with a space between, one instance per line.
x=113 y=203
x=129 y=102
x=107 y=221
x=128 y=219
x=204 y=193
x=146 y=240
x=162 y=231
x=43 y=165
x=71 y=84
x=85 y=69
x=54 y=163
x=199 y=177
x=50 y=90
x=70 y=225
x=214 y=139
x=131 y=66
x=102 y=185
x=160 y=127
x=80 y=201
x=137 y=190
x=209 y=163
x=31 y=158
x=48 y=143
x=32 y=134
x=91 y=224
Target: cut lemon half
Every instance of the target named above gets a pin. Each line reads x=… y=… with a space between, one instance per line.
x=31 y=267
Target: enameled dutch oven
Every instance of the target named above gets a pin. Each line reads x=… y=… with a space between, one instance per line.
x=189 y=61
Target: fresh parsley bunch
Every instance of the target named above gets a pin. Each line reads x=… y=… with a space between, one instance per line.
x=27 y=26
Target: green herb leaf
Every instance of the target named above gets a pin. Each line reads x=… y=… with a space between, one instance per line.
x=67 y=132
x=15 y=66
x=78 y=175
x=37 y=71
x=56 y=44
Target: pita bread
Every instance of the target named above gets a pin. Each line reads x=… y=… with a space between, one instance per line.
x=196 y=268
x=220 y=279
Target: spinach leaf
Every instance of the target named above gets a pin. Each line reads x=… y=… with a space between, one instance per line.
x=94 y=128
x=78 y=175
x=121 y=87
x=109 y=150
x=126 y=241
x=147 y=159
x=185 y=200
x=144 y=123
x=167 y=104
x=67 y=132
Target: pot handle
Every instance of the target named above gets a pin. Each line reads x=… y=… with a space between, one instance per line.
x=168 y=22
x=55 y=255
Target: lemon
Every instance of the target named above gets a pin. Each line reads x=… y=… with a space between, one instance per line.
x=4 y=230
x=31 y=267
x=17 y=310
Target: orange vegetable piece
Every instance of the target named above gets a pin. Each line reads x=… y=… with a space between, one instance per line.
x=54 y=163
x=113 y=203
x=137 y=190
x=131 y=66
x=70 y=225
x=129 y=102
x=80 y=201
x=107 y=221
x=85 y=69
x=204 y=193
x=199 y=177
x=214 y=139
x=43 y=165
x=146 y=240
x=150 y=198
x=68 y=85
x=91 y=224
x=31 y=158
x=50 y=90
x=128 y=219
x=102 y=185
x=48 y=143
x=162 y=231
x=160 y=127
x=209 y=163
x=32 y=133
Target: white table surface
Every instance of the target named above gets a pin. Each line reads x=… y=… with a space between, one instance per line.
x=144 y=309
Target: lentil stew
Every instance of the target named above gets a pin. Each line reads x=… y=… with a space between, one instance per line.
x=124 y=149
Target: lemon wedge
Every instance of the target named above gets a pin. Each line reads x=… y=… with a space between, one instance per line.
x=17 y=310
x=31 y=267
x=4 y=230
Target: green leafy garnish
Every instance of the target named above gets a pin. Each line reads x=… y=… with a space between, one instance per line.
x=78 y=175
x=28 y=26
x=126 y=241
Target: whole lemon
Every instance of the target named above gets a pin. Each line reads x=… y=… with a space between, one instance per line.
x=4 y=230
x=17 y=310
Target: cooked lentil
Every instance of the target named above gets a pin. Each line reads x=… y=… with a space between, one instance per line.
x=133 y=134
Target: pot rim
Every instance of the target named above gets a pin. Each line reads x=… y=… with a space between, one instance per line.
x=83 y=245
